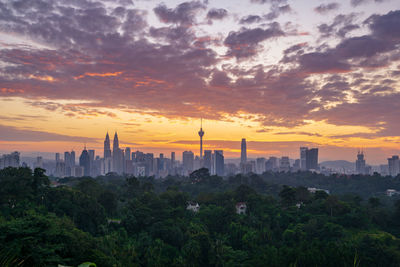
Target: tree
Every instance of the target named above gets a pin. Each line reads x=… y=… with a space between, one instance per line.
x=288 y=195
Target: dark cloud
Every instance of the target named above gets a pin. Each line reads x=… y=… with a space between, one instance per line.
x=244 y=43
x=10 y=133
x=250 y=19
x=217 y=13
x=276 y=11
x=341 y=26
x=184 y=13
x=326 y=8
x=360 y=2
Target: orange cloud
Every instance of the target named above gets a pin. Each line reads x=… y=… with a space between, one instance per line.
x=107 y=74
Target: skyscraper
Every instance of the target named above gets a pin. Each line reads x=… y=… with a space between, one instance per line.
x=107 y=149
x=394 y=165
x=187 y=161
x=360 y=163
x=172 y=160
x=312 y=159
x=219 y=162
x=303 y=158
x=207 y=161
x=118 y=156
x=127 y=153
x=201 y=134
x=84 y=162
x=243 y=154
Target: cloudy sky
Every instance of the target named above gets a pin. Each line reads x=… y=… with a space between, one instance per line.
x=281 y=73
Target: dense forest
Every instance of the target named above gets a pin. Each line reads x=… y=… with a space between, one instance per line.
x=127 y=221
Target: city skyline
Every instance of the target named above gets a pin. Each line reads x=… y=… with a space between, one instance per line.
x=283 y=74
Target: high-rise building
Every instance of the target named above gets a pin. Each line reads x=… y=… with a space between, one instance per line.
x=172 y=160
x=394 y=165
x=58 y=157
x=118 y=156
x=72 y=158
x=360 y=163
x=207 y=160
x=272 y=164
x=219 y=162
x=84 y=162
x=107 y=148
x=303 y=158
x=284 y=164
x=312 y=159
x=128 y=153
x=201 y=134
x=260 y=165
x=243 y=154
x=187 y=161
x=9 y=160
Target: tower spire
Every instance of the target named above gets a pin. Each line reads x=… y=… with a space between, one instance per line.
x=201 y=134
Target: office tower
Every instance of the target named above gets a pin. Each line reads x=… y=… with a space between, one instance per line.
x=219 y=163
x=207 y=160
x=84 y=162
x=10 y=160
x=197 y=163
x=172 y=160
x=201 y=134
x=187 y=161
x=296 y=165
x=243 y=154
x=284 y=164
x=67 y=161
x=272 y=164
x=128 y=153
x=384 y=169
x=57 y=157
x=312 y=159
x=60 y=168
x=72 y=158
x=303 y=158
x=118 y=156
x=394 y=165
x=107 y=149
x=360 y=163
x=260 y=165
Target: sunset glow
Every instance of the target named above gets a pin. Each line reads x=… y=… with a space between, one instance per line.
x=279 y=73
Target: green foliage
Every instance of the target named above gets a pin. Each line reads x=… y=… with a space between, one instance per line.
x=129 y=221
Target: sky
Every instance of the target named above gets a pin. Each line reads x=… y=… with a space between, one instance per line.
x=280 y=73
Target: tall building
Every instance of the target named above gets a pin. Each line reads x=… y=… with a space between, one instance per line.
x=360 y=163
x=172 y=160
x=128 y=153
x=394 y=165
x=107 y=149
x=84 y=162
x=284 y=164
x=219 y=162
x=272 y=164
x=303 y=158
x=207 y=160
x=243 y=154
x=187 y=161
x=201 y=134
x=260 y=165
x=312 y=159
x=9 y=160
x=58 y=158
x=118 y=156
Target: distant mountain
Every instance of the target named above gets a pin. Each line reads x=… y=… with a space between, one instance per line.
x=339 y=164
